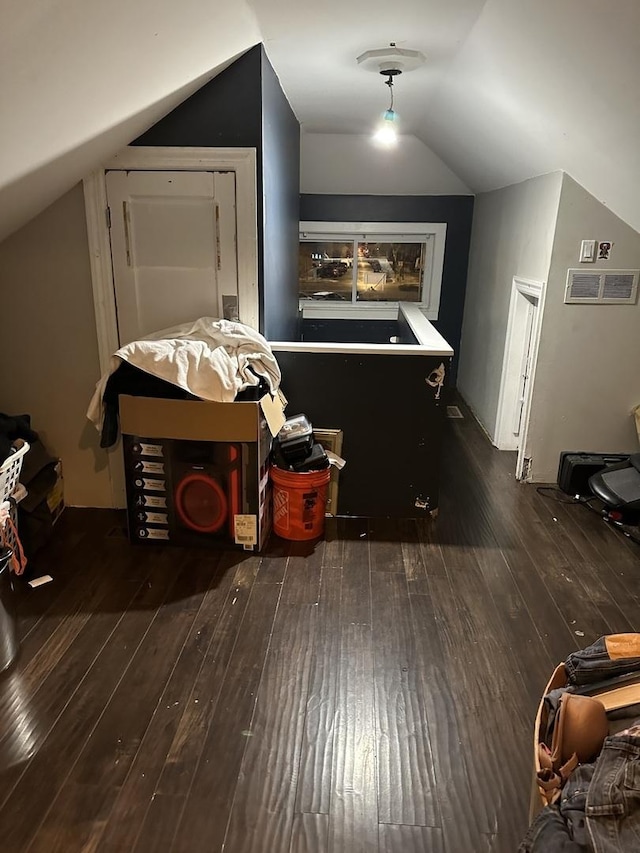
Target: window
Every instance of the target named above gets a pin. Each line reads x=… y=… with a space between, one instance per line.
x=344 y=266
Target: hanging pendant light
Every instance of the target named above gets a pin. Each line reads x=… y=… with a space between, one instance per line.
x=390 y=62
x=386 y=133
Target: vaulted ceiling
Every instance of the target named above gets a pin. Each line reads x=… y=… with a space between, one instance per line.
x=509 y=90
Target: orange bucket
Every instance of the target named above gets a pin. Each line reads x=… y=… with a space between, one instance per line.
x=299 y=502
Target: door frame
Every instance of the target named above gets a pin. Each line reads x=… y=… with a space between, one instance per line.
x=534 y=291
x=242 y=161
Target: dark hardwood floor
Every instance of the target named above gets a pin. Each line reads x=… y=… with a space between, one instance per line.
x=375 y=693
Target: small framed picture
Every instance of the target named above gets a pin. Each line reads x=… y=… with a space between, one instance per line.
x=604 y=250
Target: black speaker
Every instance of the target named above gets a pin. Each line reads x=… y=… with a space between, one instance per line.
x=206 y=485
x=576 y=467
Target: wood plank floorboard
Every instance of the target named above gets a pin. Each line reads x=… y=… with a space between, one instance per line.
x=406 y=779
x=509 y=521
x=44 y=775
x=314 y=777
x=195 y=722
x=75 y=557
x=384 y=553
x=264 y=799
x=207 y=689
x=310 y=833
x=593 y=581
x=455 y=763
x=410 y=839
x=372 y=692
x=210 y=796
x=49 y=695
x=137 y=790
x=353 y=810
x=101 y=768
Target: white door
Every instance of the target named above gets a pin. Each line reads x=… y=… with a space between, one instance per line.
x=523 y=379
x=518 y=367
x=173 y=246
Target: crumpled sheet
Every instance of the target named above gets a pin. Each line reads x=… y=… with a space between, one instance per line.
x=209 y=358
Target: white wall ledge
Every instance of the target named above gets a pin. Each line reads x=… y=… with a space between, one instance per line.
x=430 y=341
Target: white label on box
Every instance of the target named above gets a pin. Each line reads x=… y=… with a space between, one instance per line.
x=246 y=529
x=156 y=501
x=157 y=518
x=152 y=533
x=149 y=449
x=152 y=485
x=149 y=467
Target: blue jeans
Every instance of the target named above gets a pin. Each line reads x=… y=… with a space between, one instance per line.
x=561 y=828
x=613 y=803
x=599 y=809
x=594 y=663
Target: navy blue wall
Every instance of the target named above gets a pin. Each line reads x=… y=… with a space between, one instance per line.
x=281 y=176
x=245 y=107
x=225 y=113
x=456 y=211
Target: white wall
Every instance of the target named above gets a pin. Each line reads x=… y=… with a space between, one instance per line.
x=82 y=79
x=588 y=373
x=49 y=342
x=335 y=163
x=512 y=235
x=540 y=86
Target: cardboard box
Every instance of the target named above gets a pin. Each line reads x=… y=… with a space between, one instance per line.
x=55 y=498
x=331 y=439
x=197 y=472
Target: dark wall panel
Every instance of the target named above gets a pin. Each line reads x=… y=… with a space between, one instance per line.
x=392 y=423
x=226 y=112
x=281 y=175
x=456 y=211
x=355 y=331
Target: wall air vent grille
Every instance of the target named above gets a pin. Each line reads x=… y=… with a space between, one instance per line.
x=597 y=287
x=618 y=286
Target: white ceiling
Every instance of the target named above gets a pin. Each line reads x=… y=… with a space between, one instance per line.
x=542 y=85
x=79 y=79
x=313 y=47
x=511 y=88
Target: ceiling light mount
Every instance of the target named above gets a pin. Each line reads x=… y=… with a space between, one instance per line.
x=392 y=60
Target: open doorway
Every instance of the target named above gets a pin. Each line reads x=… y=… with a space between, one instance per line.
x=518 y=369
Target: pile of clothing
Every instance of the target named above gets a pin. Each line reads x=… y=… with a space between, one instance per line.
x=589 y=754
x=207 y=359
x=38 y=476
x=12 y=428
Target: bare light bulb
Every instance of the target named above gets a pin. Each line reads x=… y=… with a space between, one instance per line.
x=386 y=133
x=386 y=136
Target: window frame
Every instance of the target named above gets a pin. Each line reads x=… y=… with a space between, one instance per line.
x=314 y=231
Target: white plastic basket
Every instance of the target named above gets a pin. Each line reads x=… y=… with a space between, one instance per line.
x=9 y=478
x=10 y=472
